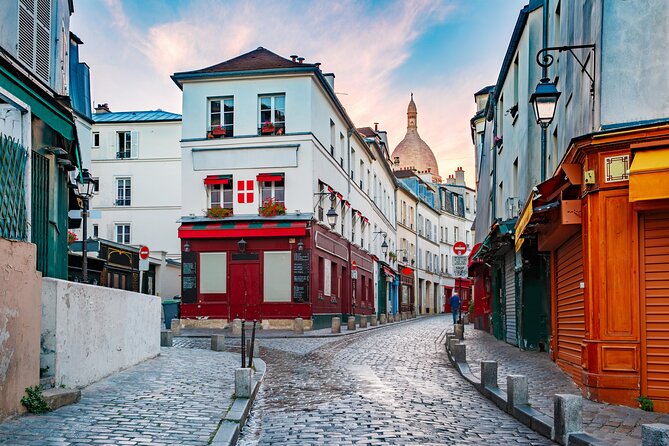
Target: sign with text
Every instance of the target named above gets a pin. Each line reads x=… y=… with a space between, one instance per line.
x=301 y=272
x=189 y=277
x=460 y=266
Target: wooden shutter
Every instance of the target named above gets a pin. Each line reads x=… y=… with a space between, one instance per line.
x=570 y=306
x=134 y=144
x=34 y=37
x=654 y=262
x=26 y=37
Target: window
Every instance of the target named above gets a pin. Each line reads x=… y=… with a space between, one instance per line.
x=96 y=184
x=353 y=164
x=276 y=276
x=342 y=146
x=123 y=233
x=332 y=138
x=124 y=147
x=272 y=189
x=96 y=139
x=95 y=231
x=327 y=277
x=34 y=37
x=123 y=192
x=220 y=195
x=362 y=169
x=213 y=272
x=456 y=234
x=272 y=114
x=221 y=117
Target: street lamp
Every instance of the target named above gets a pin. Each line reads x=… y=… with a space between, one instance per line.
x=332 y=217
x=86 y=188
x=384 y=247
x=544 y=101
x=241 y=244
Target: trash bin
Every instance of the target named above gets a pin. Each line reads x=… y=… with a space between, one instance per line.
x=170 y=311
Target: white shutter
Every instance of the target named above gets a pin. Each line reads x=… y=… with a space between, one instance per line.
x=26 y=38
x=111 y=138
x=34 y=37
x=134 y=144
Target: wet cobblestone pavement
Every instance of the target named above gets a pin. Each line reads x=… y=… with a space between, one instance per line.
x=175 y=399
x=389 y=386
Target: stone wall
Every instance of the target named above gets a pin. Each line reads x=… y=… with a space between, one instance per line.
x=20 y=286
x=89 y=332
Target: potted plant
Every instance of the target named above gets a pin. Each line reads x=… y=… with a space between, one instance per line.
x=267 y=128
x=219 y=212
x=272 y=208
x=218 y=131
x=392 y=255
x=71 y=237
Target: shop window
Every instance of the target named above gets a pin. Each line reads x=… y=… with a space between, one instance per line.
x=327 y=277
x=213 y=272
x=276 y=276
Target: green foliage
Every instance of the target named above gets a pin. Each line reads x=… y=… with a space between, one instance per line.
x=218 y=212
x=272 y=208
x=645 y=403
x=471 y=306
x=34 y=401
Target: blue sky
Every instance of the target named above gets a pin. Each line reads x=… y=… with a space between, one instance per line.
x=380 y=51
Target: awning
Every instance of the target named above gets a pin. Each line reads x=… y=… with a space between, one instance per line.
x=649 y=175
x=243 y=229
x=388 y=272
x=217 y=179
x=479 y=250
x=567 y=175
x=42 y=107
x=270 y=177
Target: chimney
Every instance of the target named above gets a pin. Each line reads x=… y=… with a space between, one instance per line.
x=300 y=59
x=460 y=176
x=450 y=179
x=293 y=57
x=102 y=108
x=318 y=65
x=376 y=126
x=330 y=78
x=396 y=160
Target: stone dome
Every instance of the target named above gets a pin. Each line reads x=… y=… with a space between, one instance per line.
x=413 y=152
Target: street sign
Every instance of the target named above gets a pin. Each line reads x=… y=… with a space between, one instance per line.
x=460 y=266
x=143 y=264
x=144 y=252
x=354 y=274
x=460 y=248
x=354 y=266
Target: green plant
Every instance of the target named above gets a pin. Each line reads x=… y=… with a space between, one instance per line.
x=471 y=306
x=218 y=212
x=34 y=400
x=645 y=403
x=43 y=371
x=271 y=208
x=71 y=237
x=392 y=255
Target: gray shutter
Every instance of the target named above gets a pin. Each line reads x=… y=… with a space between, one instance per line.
x=134 y=144
x=43 y=40
x=510 y=293
x=26 y=37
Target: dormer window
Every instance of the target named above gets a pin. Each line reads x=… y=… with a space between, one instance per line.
x=272 y=114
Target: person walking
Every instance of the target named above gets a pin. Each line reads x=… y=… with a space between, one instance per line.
x=455 y=307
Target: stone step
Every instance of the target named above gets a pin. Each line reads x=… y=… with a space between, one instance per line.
x=46 y=383
x=57 y=397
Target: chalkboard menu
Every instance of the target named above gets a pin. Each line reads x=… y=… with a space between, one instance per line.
x=301 y=270
x=189 y=277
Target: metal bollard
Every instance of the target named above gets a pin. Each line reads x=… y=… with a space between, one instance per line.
x=243 y=344
x=253 y=341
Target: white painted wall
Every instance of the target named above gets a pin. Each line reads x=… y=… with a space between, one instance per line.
x=89 y=332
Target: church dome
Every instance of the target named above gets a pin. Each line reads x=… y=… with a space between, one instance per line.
x=412 y=151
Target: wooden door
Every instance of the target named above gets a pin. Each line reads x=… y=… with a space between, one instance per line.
x=654 y=287
x=245 y=290
x=570 y=306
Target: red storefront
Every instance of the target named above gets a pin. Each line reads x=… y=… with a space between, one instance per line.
x=271 y=269
x=480 y=272
x=462 y=288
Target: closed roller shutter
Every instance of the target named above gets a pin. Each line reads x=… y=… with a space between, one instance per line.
x=510 y=293
x=570 y=306
x=655 y=286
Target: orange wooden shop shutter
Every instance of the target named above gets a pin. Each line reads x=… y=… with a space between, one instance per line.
x=654 y=262
x=570 y=306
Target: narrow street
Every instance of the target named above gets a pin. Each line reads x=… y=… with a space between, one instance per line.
x=389 y=386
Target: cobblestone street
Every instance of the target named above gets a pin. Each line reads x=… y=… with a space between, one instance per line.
x=389 y=386
x=175 y=399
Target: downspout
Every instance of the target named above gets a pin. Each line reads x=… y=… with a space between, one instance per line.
x=493 y=217
x=544 y=75
x=348 y=195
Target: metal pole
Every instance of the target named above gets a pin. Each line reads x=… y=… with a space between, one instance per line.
x=243 y=339
x=84 y=253
x=253 y=340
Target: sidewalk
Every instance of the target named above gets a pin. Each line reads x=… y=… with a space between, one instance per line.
x=177 y=398
x=620 y=425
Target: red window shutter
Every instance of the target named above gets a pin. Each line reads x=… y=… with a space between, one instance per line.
x=249 y=191
x=240 y=192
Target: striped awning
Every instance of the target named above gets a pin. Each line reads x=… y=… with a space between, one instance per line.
x=243 y=229
x=217 y=179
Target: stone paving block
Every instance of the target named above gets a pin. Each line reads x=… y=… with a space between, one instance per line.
x=655 y=434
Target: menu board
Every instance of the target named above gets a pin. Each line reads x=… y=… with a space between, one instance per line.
x=301 y=270
x=189 y=277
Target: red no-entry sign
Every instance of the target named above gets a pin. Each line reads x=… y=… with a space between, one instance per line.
x=354 y=265
x=460 y=248
x=144 y=252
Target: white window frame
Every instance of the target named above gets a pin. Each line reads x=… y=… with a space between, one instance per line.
x=273 y=188
x=222 y=203
x=124 y=233
x=229 y=128
x=273 y=111
x=127 y=191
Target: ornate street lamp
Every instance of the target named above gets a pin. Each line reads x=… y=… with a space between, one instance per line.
x=384 y=247
x=544 y=101
x=332 y=217
x=241 y=244
x=86 y=185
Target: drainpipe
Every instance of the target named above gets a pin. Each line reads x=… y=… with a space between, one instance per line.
x=348 y=194
x=493 y=217
x=544 y=74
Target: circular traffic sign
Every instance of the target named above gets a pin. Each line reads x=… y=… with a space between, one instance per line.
x=460 y=248
x=144 y=252
x=354 y=265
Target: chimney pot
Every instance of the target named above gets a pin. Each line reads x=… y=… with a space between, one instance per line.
x=300 y=59
x=376 y=126
x=293 y=57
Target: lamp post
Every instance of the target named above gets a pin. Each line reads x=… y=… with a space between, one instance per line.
x=86 y=188
x=331 y=214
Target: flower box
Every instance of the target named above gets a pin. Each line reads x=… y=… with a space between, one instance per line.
x=271 y=208
x=219 y=212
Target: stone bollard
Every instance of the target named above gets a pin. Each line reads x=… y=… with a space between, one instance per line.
x=459 y=331
x=351 y=323
x=516 y=390
x=383 y=318
x=298 y=325
x=460 y=352
x=243 y=382
x=165 y=338
x=489 y=374
x=448 y=339
x=655 y=434
x=567 y=416
x=175 y=325
x=336 y=325
x=217 y=342
x=452 y=343
x=374 y=321
x=363 y=321
x=236 y=327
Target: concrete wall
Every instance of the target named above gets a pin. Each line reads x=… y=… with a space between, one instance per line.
x=20 y=286
x=89 y=332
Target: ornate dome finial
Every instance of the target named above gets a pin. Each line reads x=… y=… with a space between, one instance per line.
x=412 y=150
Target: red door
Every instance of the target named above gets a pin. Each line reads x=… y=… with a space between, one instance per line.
x=245 y=291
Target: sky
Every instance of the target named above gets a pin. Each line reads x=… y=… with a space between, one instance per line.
x=380 y=51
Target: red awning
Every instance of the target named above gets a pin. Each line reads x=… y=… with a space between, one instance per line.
x=217 y=179
x=243 y=229
x=388 y=272
x=270 y=177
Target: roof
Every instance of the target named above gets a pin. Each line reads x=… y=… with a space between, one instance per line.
x=367 y=132
x=258 y=59
x=485 y=90
x=136 y=116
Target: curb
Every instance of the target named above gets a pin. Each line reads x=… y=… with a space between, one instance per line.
x=530 y=417
x=233 y=421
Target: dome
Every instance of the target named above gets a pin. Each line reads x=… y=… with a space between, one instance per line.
x=413 y=152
